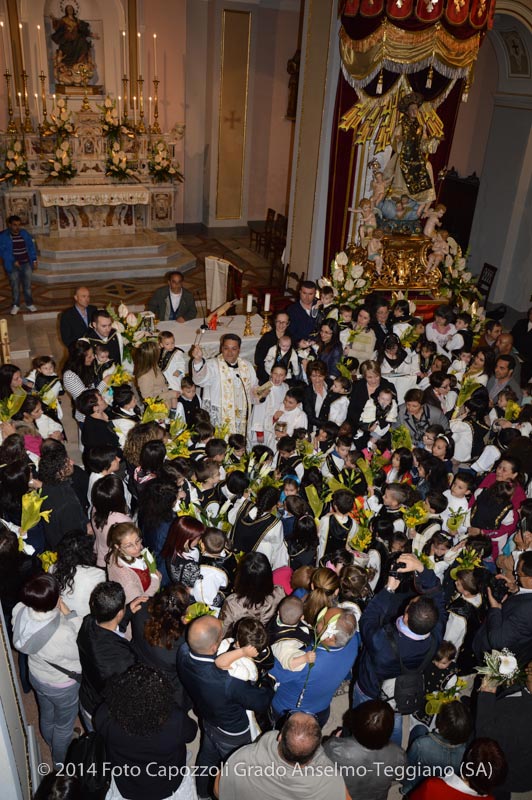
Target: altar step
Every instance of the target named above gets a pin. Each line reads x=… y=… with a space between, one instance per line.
x=87 y=258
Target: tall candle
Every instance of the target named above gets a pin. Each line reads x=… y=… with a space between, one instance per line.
x=135 y=109
x=53 y=103
x=20 y=105
x=249 y=305
x=21 y=46
x=267 y=299
x=155 y=55
x=124 y=51
x=119 y=108
x=139 y=55
x=4 y=41
x=40 y=65
x=37 y=107
x=149 y=111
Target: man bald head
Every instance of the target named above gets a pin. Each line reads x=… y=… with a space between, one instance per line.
x=299 y=739
x=505 y=343
x=204 y=635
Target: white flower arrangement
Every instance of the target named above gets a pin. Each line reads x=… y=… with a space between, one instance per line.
x=61 y=121
x=160 y=165
x=500 y=668
x=117 y=164
x=457 y=282
x=135 y=328
x=61 y=167
x=347 y=279
x=15 y=165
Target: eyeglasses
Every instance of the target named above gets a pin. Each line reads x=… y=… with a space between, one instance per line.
x=131 y=545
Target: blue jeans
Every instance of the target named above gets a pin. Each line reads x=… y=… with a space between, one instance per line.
x=58 y=709
x=22 y=275
x=397 y=734
x=215 y=747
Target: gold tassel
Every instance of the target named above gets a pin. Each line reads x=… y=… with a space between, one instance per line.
x=380 y=83
x=465 y=93
x=428 y=84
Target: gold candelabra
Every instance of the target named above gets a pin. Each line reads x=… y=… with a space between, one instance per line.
x=28 y=127
x=12 y=126
x=247 y=329
x=45 y=125
x=156 y=127
x=124 y=85
x=141 y=128
x=266 y=327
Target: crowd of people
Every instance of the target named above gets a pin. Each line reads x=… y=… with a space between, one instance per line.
x=349 y=516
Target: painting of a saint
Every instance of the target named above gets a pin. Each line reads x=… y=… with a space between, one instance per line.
x=74 y=59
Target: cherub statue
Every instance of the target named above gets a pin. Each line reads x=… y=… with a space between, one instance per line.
x=368 y=218
x=374 y=248
x=433 y=217
x=440 y=248
x=378 y=188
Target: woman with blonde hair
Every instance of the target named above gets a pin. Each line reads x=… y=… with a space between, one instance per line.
x=128 y=564
x=150 y=379
x=324 y=588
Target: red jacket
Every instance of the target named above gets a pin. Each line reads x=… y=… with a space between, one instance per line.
x=438 y=789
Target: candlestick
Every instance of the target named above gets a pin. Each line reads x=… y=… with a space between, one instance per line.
x=40 y=65
x=124 y=52
x=267 y=300
x=4 y=42
x=11 y=127
x=266 y=327
x=20 y=109
x=249 y=305
x=119 y=108
x=139 y=53
x=124 y=86
x=28 y=127
x=141 y=127
x=154 y=55
x=149 y=112
x=155 y=127
x=248 y=331
x=135 y=110
x=45 y=124
x=36 y=96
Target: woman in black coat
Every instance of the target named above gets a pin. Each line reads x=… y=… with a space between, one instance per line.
x=369 y=385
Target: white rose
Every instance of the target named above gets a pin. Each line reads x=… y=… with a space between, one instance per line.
x=108 y=103
x=357 y=271
x=123 y=310
x=11 y=165
x=131 y=319
x=467 y=276
x=341 y=259
x=349 y=285
x=158 y=159
x=507 y=665
x=338 y=275
x=59 y=152
x=448 y=261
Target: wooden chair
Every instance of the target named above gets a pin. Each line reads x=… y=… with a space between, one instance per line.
x=257 y=230
x=275 y=244
x=485 y=280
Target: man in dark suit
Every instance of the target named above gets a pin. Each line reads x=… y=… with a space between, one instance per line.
x=173 y=302
x=303 y=313
x=74 y=322
x=509 y=624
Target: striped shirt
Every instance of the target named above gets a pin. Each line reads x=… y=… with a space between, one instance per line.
x=20 y=252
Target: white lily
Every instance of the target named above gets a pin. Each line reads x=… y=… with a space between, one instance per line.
x=341 y=258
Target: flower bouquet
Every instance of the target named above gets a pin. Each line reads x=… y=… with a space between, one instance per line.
x=401 y=438
x=135 y=328
x=117 y=165
x=457 y=282
x=196 y=610
x=512 y=411
x=456 y=520
x=109 y=120
x=468 y=559
x=363 y=536
x=61 y=167
x=467 y=390
x=415 y=515
x=62 y=124
x=47 y=559
x=31 y=510
x=11 y=406
x=155 y=410
x=347 y=279
x=120 y=376
x=160 y=165
x=500 y=668
x=149 y=560
x=178 y=444
x=15 y=165
x=435 y=700
x=309 y=456
x=408 y=337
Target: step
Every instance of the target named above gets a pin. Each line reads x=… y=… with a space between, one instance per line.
x=110 y=271
x=69 y=248
x=83 y=261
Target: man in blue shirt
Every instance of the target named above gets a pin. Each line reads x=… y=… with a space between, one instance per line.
x=312 y=687
x=303 y=313
x=19 y=259
x=220 y=701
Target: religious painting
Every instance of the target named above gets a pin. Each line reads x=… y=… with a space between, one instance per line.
x=161 y=207
x=75 y=48
x=517 y=54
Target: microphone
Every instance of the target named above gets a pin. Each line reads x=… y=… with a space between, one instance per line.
x=203 y=308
